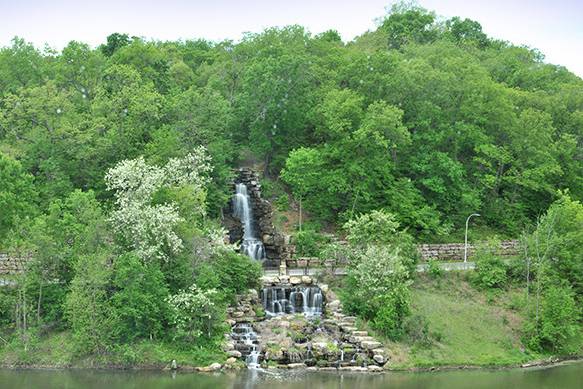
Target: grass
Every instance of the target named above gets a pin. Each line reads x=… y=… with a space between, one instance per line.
x=467 y=327
x=57 y=350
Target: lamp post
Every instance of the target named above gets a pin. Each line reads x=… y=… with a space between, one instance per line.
x=466 y=240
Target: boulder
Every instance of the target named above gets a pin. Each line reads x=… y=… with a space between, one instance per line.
x=324 y=288
x=296 y=366
x=295 y=280
x=374 y=369
x=306 y=280
x=370 y=344
x=234 y=354
x=379 y=359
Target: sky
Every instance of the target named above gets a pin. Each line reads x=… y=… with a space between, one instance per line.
x=555 y=27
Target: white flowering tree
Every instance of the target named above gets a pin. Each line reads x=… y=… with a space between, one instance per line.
x=149 y=228
x=195 y=312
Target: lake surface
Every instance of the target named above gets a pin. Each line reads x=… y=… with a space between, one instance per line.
x=564 y=377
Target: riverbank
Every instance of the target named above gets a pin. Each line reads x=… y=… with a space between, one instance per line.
x=456 y=326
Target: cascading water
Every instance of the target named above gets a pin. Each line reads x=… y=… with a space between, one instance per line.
x=251 y=245
x=300 y=299
x=246 y=342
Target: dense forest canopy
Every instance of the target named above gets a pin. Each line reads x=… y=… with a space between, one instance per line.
x=429 y=119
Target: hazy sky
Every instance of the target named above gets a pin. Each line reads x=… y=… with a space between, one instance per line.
x=553 y=26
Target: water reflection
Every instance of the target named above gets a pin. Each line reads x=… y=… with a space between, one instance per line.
x=565 y=377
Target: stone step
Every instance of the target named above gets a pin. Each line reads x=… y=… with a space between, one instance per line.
x=349 y=330
x=360 y=339
x=359 y=333
x=370 y=344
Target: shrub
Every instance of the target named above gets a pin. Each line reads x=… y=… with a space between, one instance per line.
x=554 y=327
x=229 y=272
x=282 y=202
x=377 y=288
x=491 y=271
x=196 y=313
x=309 y=243
x=139 y=300
x=433 y=269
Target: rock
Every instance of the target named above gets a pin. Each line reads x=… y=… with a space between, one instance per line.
x=228 y=346
x=230 y=361
x=379 y=359
x=328 y=368
x=230 y=322
x=212 y=367
x=333 y=305
x=306 y=280
x=238 y=314
x=284 y=324
x=359 y=333
x=353 y=368
x=374 y=369
x=370 y=344
x=312 y=368
x=296 y=366
x=234 y=354
x=379 y=351
x=324 y=288
x=295 y=280
x=267 y=280
x=252 y=294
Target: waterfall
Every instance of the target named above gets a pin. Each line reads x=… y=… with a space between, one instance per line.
x=299 y=299
x=251 y=245
x=246 y=340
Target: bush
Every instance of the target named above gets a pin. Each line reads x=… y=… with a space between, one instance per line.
x=377 y=288
x=555 y=326
x=282 y=202
x=309 y=243
x=139 y=300
x=393 y=308
x=491 y=271
x=433 y=269
x=196 y=313
x=229 y=272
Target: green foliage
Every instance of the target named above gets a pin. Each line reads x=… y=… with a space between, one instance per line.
x=138 y=302
x=230 y=273
x=17 y=194
x=87 y=308
x=309 y=243
x=491 y=270
x=377 y=288
x=554 y=326
x=381 y=228
x=196 y=313
x=434 y=270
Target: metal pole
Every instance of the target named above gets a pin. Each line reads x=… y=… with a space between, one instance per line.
x=466 y=239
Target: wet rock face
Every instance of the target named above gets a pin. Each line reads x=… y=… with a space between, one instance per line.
x=262 y=213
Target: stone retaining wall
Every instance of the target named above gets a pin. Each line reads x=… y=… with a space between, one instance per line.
x=455 y=251
x=442 y=252
x=11 y=265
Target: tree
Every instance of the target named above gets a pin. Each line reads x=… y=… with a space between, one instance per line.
x=115 y=41
x=17 y=194
x=87 y=306
x=145 y=227
x=408 y=24
x=138 y=302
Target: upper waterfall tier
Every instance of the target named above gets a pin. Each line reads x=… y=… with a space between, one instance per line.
x=242 y=209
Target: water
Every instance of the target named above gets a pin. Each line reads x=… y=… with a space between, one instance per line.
x=564 y=377
x=246 y=342
x=251 y=245
x=299 y=299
